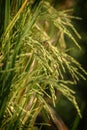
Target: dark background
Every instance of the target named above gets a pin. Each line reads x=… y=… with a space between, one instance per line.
x=65 y=108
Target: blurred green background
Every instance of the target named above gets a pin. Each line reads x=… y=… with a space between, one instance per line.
x=65 y=108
